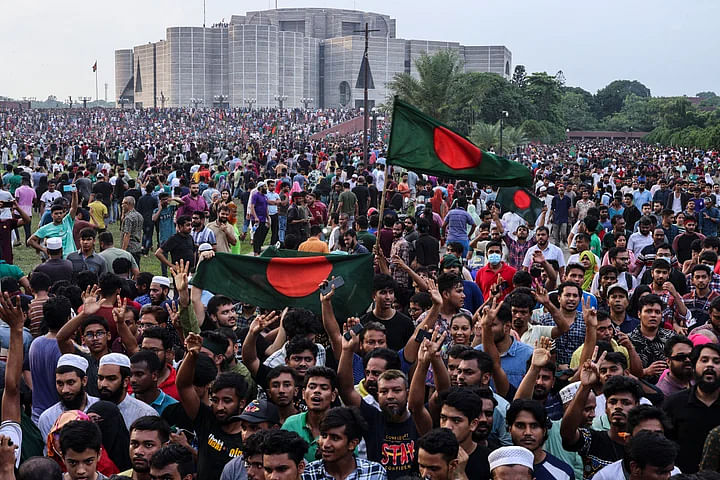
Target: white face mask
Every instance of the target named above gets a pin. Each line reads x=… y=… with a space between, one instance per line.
x=494 y=258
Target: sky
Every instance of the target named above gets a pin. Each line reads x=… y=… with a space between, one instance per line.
x=672 y=47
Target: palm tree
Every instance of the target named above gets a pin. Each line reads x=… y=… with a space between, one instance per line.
x=487 y=136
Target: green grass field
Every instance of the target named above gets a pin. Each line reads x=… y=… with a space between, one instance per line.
x=27 y=259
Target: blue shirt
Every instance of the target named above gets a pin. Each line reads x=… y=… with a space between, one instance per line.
x=166 y=225
x=514 y=361
x=64 y=231
x=162 y=402
x=552 y=468
x=560 y=209
x=639 y=198
x=457 y=222
x=473 y=296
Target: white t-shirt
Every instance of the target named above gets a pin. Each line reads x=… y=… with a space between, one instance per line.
x=12 y=429
x=49 y=197
x=615 y=471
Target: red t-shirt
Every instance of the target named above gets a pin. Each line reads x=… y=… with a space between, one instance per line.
x=486 y=278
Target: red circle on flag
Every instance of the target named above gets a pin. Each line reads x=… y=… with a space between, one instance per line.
x=454 y=151
x=297 y=276
x=521 y=199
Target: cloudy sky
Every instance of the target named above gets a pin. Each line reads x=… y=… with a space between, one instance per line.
x=672 y=47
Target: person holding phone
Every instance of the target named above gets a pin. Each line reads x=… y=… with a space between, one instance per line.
x=62 y=226
x=495 y=277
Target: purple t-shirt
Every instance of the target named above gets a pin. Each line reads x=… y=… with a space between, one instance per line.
x=457 y=222
x=261 y=206
x=192 y=205
x=43 y=357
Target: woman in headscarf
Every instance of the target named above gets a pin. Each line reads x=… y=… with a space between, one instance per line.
x=115 y=436
x=438 y=205
x=472 y=210
x=587 y=258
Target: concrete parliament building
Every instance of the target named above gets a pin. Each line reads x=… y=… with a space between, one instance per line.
x=298 y=56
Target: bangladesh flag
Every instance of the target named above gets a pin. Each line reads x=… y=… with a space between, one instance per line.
x=422 y=144
x=287 y=278
x=521 y=201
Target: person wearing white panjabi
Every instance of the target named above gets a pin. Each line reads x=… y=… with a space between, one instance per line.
x=511 y=463
x=70 y=382
x=113 y=379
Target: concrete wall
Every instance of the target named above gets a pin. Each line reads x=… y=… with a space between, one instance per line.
x=123 y=71
x=253 y=58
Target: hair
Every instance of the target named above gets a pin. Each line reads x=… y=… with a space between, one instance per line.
x=216 y=302
x=440 y=440
x=350 y=417
x=372 y=326
x=674 y=340
x=697 y=350
x=299 y=345
x=151 y=360
x=521 y=278
x=173 y=453
x=144 y=279
x=121 y=265
x=565 y=285
x=393 y=375
x=484 y=361
x=447 y=282
x=253 y=444
x=617 y=358
x=279 y=370
x=493 y=243
x=382 y=281
x=391 y=357
x=158 y=312
x=299 y=322
x=40 y=282
x=575 y=266
x=651 y=448
x=606 y=270
x=36 y=468
x=526 y=405
x=205 y=371
x=183 y=219
x=315 y=230
x=85 y=279
x=613 y=252
x=160 y=333
x=88 y=232
x=542 y=228
x=95 y=320
x=231 y=380
x=80 y=435
x=456 y=351
x=709 y=256
x=324 y=372
x=651 y=299
x=152 y=423
x=423 y=299
x=464 y=400
x=56 y=312
x=277 y=442
x=646 y=412
x=521 y=298
x=109 y=283
x=622 y=384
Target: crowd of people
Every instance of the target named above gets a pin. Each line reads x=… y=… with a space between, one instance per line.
x=581 y=344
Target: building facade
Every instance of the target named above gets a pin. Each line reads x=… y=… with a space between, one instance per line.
x=291 y=56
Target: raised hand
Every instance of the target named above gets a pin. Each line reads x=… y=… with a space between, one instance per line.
x=541 y=355
x=193 y=343
x=589 y=313
x=540 y=293
x=91 y=300
x=590 y=373
x=327 y=296
x=118 y=311
x=398 y=261
x=538 y=256
x=431 y=348
x=261 y=322
x=173 y=314
x=434 y=292
x=490 y=312
x=354 y=342
x=180 y=275
x=11 y=314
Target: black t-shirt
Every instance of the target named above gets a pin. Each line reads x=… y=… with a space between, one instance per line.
x=175 y=416
x=399 y=328
x=215 y=447
x=106 y=189
x=180 y=247
x=391 y=444
x=478 y=467
x=362 y=193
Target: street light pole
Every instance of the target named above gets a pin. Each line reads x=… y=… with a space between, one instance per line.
x=249 y=102
x=306 y=101
x=503 y=114
x=281 y=99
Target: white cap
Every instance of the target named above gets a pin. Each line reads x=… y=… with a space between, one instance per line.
x=510 y=456
x=72 y=360
x=543 y=188
x=261 y=184
x=115 y=359
x=568 y=392
x=204 y=247
x=164 y=281
x=54 y=243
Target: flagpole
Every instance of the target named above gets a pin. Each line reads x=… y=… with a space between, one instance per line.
x=97 y=97
x=382 y=196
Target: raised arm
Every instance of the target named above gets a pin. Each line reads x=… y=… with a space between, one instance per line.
x=540 y=357
x=489 y=315
x=249 y=347
x=329 y=321
x=416 y=395
x=345 y=371
x=419 y=281
x=74 y=205
x=541 y=296
x=126 y=336
x=428 y=322
x=189 y=398
x=14 y=317
x=91 y=305
x=573 y=418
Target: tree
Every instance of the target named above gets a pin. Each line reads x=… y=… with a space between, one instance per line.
x=576 y=112
x=434 y=91
x=544 y=93
x=487 y=136
x=519 y=78
x=610 y=99
x=706 y=95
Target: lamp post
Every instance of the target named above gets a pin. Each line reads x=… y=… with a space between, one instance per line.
x=85 y=100
x=504 y=114
x=122 y=101
x=70 y=101
x=250 y=102
x=307 y=101
x=196 y=101
x=281 y=99
x=220 y=100
x=375 y=117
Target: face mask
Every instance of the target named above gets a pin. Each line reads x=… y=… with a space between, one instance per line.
x=488 y=190
x=667 y=259
x=494 y=258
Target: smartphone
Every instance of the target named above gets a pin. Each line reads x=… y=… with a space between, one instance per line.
x=336 y=282
x=422 y=335
x=356 y=329
x=69 y=188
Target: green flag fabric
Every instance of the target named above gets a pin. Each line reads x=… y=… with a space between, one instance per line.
x=520 y=201
x=287 y=278
x=424 y=145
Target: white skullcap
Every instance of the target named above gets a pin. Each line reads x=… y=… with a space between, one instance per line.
x=54 y=243
x=115 y=359
x=204 y=247
x=164 y=281
x=72 y=360
x=510 y=456
x=568 y=393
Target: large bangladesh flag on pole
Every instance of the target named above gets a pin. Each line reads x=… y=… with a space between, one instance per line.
x=287 y=278
x=424 y=145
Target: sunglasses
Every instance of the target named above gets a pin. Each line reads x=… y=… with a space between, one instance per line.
x=680 y=357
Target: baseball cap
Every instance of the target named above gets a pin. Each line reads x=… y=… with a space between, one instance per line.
x=259 y=411
x=450 y=261
x=617 y=286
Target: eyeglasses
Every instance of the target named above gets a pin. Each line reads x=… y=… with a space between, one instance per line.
x=98 y=334
x=680 y=357
x=257 y=465
x=147 y=325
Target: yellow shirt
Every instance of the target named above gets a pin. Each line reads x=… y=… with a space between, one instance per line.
x=575 y=359
x=98 y=212
x=314 y=244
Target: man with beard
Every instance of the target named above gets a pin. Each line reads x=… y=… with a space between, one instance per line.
x=649 y=337
x=220 y=346
x=180 y=246
x=113 y=379
x=352 y=245
x=299 y=218
x=319 y=392
x=569 y=295
x=599 y=448
x=549 y=251
x=218 y=428
x=159 y=289
x=222 y=311
x=529 y=427
x=192 y=202
x=258 y=215
x=147 y=436
x=341 y=431
x=540 y=378
x=619 y=258
x=675 y=313
x=145 y=368
x=158 y=341
x=680 y=371
x=400 y=248
x=224 y=232
x=70 y=382
x=695 y=411
x=439 y=456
